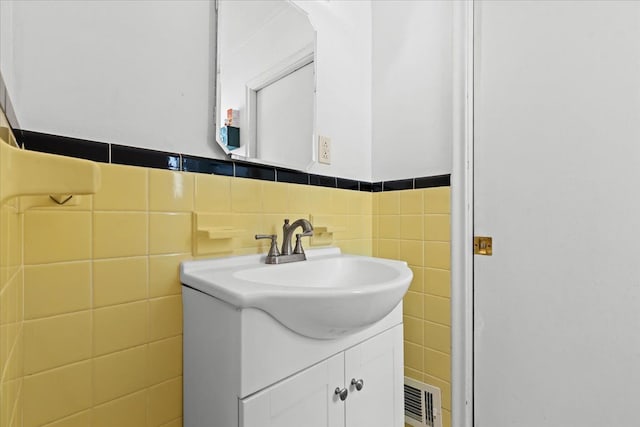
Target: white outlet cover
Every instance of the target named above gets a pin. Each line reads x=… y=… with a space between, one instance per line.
x=324 y=149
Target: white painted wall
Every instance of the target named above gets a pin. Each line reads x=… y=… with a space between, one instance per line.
x=141 y=74
x=130 y=72
x=557 y=155
x=6 y=42
x=412 y=88
x=343 y=91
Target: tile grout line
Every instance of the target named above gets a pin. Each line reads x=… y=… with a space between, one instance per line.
x=92 y=298
x=148 y=311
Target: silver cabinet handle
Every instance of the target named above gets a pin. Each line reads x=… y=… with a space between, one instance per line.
x=357 y=383
x=343 y=393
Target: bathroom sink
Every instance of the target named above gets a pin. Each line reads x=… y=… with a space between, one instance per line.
x=327 y=296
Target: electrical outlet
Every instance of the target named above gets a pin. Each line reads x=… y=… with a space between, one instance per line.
x=324 y=149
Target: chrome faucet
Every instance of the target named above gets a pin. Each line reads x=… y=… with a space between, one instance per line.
x=287 y=232
x=287 y=254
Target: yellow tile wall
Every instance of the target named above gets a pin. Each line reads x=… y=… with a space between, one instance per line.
x=90 y=305
x=103 y=313
x=12 y=331
x=414 y=226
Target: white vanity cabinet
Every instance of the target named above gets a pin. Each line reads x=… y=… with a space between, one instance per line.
x=309 y=398
x=378 y=362
x=244 y=368
x=306 y=399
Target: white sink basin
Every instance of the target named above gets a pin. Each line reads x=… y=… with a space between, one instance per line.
x=327 y=296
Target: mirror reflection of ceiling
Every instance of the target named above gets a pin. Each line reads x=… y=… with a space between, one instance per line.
x=257 y=41
x=244 y=20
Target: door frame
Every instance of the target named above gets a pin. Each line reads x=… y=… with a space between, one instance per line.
x=462 y=217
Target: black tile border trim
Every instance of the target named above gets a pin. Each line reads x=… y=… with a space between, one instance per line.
x=64 y=146
x=292 y=176
x=401 y=184
x=433 y=181
x=135 y=156
x=206 y=165
x=366 y=186
x=348 y=184
x=255 y=171
x=323 y=181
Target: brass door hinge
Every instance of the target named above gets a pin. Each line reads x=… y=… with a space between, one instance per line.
x=482 y=245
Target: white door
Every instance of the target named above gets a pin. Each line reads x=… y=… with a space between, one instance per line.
x=306 y=399
x=557 y=186
x=378 y=364
x=284 y=114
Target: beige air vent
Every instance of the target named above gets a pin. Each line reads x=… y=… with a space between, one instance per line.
x=422 y=404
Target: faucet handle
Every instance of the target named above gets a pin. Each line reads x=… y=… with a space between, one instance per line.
x=266 y=236
x=273 y=250
x=298 y=249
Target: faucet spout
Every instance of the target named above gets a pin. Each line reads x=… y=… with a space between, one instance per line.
x=287 y=233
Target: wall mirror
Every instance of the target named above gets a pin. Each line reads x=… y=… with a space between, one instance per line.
x=265 y=82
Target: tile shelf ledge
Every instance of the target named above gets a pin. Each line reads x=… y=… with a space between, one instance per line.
x=211 y=235
x=30 y=173
x=327 y=229
x=323 y=230
x=219 y=233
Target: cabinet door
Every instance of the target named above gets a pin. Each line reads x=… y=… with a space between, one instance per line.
x=306 y=399
x=378 y=363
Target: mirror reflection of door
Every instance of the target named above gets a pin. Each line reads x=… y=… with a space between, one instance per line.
x=284 y=119
x=266 y=49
